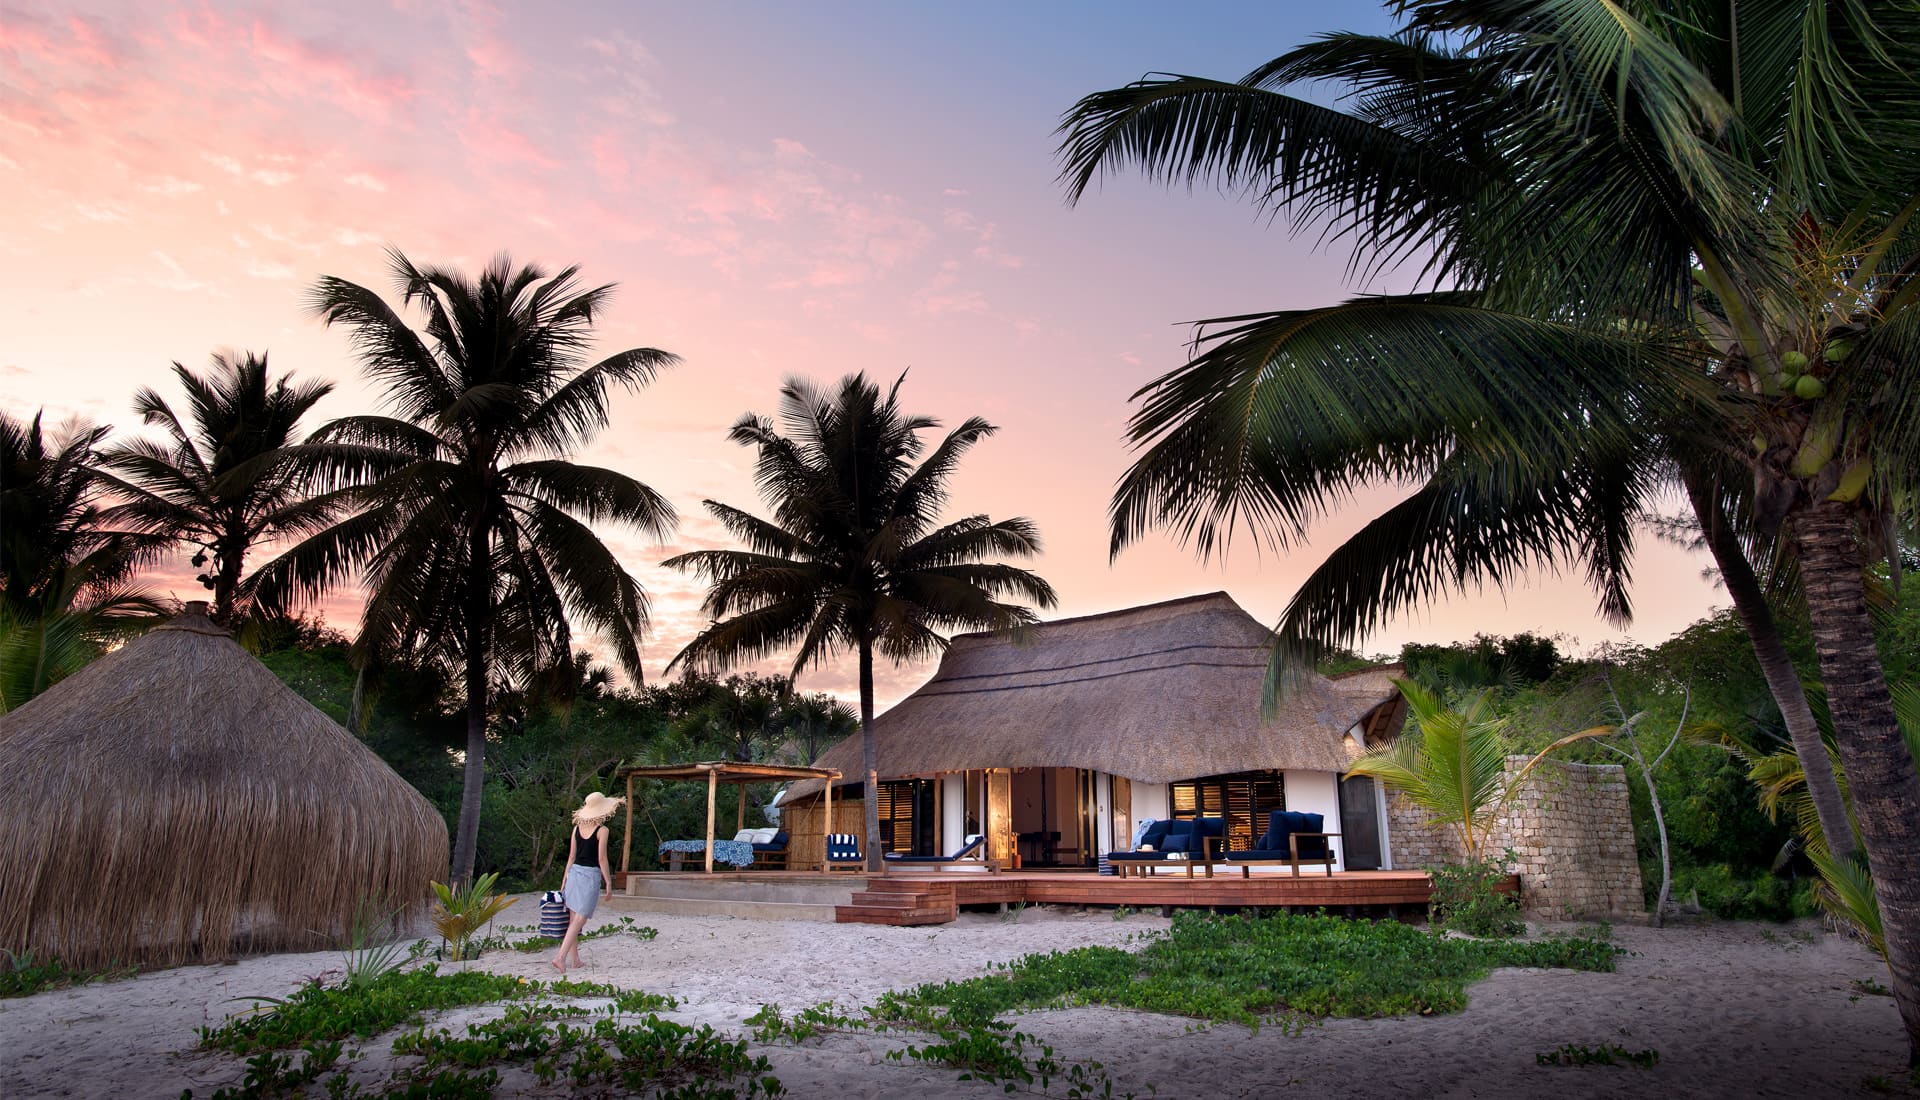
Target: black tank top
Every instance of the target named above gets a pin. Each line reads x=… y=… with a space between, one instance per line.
x=586 y=849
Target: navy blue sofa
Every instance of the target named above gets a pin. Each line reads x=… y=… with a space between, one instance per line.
x=1188 y=841
x=1290 y=838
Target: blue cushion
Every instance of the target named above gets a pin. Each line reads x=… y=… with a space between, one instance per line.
x=1311 y=847
x=1156 y=834
x=1179 y=837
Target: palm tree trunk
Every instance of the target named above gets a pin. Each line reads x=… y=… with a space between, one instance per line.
x=1880 y=770
x=869 y=758
x=478 y=644
x=474 y=774
x=227 y=582
x=1783 y=680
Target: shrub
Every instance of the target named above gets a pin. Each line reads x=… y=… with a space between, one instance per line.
x=1466 y=898
x=1728 y=894
x=26 y=974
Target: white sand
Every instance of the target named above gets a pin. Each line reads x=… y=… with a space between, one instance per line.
x=1734 y=1010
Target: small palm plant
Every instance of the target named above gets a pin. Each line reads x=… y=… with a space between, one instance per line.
x=1846 y=889
x=1456 y=768
x=464 y=909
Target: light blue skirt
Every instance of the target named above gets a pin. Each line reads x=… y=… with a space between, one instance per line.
x=582 y=889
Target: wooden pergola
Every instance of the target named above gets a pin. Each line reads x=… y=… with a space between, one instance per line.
x=716 y=772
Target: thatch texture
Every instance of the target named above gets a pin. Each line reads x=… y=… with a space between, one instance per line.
x=1157 y=693
x=175 y=802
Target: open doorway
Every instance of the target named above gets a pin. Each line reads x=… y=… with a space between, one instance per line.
x=1052 y=817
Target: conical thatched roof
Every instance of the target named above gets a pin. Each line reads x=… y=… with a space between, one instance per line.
x=175 y=802
x=1157 y=693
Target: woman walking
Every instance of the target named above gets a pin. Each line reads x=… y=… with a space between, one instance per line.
x=587 y=873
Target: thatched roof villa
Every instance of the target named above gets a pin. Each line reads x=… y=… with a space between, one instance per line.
x=175 y=802
x=1055 y=744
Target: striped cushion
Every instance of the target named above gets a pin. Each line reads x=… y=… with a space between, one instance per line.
x=843 y=847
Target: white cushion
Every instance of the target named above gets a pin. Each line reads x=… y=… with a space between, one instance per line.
x=746 y=836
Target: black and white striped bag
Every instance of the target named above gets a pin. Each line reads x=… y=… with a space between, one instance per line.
x=553 y=914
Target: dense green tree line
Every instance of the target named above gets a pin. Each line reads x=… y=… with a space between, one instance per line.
x=547 y=749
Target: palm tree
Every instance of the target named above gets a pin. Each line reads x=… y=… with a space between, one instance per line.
x=66 y=586
x=817 y=721
x=1674 y=253
x=227 y=484
x=744 y=713
x=855 y=557
x=469 y=524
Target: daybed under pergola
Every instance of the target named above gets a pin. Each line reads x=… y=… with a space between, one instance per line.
x=714 y=773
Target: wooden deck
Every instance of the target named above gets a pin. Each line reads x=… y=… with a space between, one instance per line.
x=936 y=897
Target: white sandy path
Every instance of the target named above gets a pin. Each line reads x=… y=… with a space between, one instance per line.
x=1734 y=1010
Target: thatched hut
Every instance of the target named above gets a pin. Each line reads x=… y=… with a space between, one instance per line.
x=174 y=802
x=1056 y=743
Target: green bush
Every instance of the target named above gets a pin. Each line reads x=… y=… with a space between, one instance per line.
x=1466 y=898
x=1743 y=896
x=26 y=974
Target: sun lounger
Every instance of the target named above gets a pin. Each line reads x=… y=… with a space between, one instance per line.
x=1188 y=842
x=1290 y=838
x=771 y=852
x=974 y=849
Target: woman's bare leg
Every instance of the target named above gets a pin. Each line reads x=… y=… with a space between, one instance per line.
x=573 y=938
x=570 y=943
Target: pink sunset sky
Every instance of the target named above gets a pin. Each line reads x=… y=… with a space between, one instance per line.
x=777 y=189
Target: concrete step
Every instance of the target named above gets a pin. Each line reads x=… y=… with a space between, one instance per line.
x=768 y=887
x=715 y=907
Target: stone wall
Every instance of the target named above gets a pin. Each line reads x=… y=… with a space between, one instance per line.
x=1571 y=830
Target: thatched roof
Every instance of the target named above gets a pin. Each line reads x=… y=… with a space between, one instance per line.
x=1157 y=693
x=175 y=802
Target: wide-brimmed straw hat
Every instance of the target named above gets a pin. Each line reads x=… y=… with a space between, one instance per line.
x=597 y=806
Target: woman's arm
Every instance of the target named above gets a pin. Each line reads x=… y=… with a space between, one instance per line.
x=573 y=838
x=606 y=875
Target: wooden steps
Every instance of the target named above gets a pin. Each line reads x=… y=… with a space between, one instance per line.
x=901 y=902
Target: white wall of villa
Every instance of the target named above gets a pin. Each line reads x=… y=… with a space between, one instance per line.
x=1115 y=825
x=1312 y=792
x=953 y=811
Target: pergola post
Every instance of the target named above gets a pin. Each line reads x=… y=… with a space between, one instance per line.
x=742 y=822
x=826 y=830
x=716 y=772
x=713 y=783
x=626 y=838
